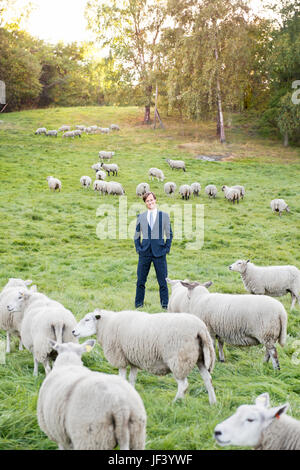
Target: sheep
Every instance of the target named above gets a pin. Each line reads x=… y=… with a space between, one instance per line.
x=64 y=128
x=81 y=409
x=88 y=130
x=240 y=320
x=41 y=130
x=185 y=191
x=53 y=183
x=260 y=427
x=269 y=280
x=211 y=190
x=77 y=132
x=241 y=190
x=104 y=130
x=43 y=318
x=158 y=343
x=93 y=128
x=101 y=186
x=105 y=155
x=96 y=167
x=196 y=188
x=156 y=173
x=80 y=127
x=100 y=175
x=279 y=205
x=178 y=300
x=231 y=194
x=112 y=187
x=170 y=187
x=114 y=127
x=110 y=167
x=141 y=189
x=11 y=323
x=69 y=134
x=86 y=181
x=177 y=164
x=52 y=133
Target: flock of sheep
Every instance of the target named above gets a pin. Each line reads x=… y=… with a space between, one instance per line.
x=77 y=132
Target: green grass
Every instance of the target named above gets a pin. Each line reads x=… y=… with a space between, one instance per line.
x=51 y=238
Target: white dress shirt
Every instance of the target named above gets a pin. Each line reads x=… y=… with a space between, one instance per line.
x=154 y=214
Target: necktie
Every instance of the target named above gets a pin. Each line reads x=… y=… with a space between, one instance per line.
x=151 y=220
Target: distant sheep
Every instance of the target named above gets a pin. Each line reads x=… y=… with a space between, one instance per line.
x=241 y=189
x=269 y=280
x=103 y=155
x=185 y=191
x=104 y=130
x=211 y=190
x=100 y=185
x=170 y=188
x=142 y=188
x=231 y=194
x=115 y=188
x=279 y=205
x=100 y=175
x=53 y=183
x=41 y=130
x=82 y=409
x=156 y=173
x=64 y=128
x=69 y=134
x=114 y=127
x=110 y=168
x=196 y=188
x=80 y=127
x=52 y=133
x=86 y=181
x=96 y=167
x=177 y=164
x=260 y=427
x=77 y=132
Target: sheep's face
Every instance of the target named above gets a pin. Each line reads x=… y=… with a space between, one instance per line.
x=17 y=300
x=245 y=427
x=239 y=266
x=86 y=326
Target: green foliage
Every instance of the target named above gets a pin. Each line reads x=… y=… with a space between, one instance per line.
x=51 y=238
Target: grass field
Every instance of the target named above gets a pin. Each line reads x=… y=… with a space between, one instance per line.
x=52 y=239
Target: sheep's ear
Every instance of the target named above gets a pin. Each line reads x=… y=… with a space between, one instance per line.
x=207 y=284
x=263 y=400
x=190 y=285
x=28 y=282
x=277 y=411
x=248 y=261
x=88 y=345
x=97 y=313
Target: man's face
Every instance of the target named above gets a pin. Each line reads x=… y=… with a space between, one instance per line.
x=150 y=202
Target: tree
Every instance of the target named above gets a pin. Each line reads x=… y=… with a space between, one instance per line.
x=131 y=30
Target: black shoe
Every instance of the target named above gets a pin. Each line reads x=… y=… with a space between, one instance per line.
x=164 y=307
x=139 y=306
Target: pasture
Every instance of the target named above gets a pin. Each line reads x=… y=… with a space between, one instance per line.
x=52 y=238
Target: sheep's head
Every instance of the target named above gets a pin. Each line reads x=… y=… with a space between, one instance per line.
x=87 y=325
x=18 y=299
x=239 y=266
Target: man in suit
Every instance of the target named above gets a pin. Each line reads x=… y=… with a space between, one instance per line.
x=151 y=228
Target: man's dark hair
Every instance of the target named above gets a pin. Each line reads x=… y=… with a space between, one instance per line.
x=148 y=194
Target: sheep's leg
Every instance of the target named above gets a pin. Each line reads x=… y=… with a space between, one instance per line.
x=132 y=375
x=36 y=367
x=221 y=351
x=208 y=383
x=122 y=372
x=274 y=357
x=47 y=366
x=267 y=356
x=182 y=388
x=294 y=298
x=20 y=345
x=7 y=342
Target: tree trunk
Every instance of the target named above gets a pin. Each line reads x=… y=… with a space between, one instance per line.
x=220 y=120
x=286 y=139
x=147 y=115
x=147 y=119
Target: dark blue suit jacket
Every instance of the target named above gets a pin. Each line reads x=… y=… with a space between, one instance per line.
x=159 y=238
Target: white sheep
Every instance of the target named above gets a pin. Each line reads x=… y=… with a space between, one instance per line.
x=103 y=155
x=158 y=343
x=52 y=133
x=64 y=128
x=110 y=168
x=41 y=130
x=80 y=127
x=113 y=187
x=211 y=190
x=177 y=164
x=241 y=190
x=69 y=134
x=86 y=181
x=142 y=188
x=179 y=299
x=11 y=323
x=185 y=191
x=196 y=188
x=96 y=167
x=100 y=175
x=231 y=194
x=104 y=130
x=279 y=205
x=170 y=187
x=88 y=130
x=53 y=183
x=93 y=128
x=114 y=127
x=240 y=320
x=82 y=409
x=269 y=280
x=101 y=186
x=260 y=427
x=43 y=318
x=78 y=132
x=156 y=173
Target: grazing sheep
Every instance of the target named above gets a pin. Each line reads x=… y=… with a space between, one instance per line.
x=170 y=188
x=101 y=186
x=11 y=323
x=85 y=181
x=53 y=183
x=100 y=175
x=211 y=190
x=241 y=189
x=110 y=167
x=88 y=130
x=93 y=128
x=240 y=320
x=156 y=173
x=196 y=188
x=112 y=187
x=269 y=280
x=231 y=194
x=78 y=132
x=69 y=134
x=41 y=130
x=43 y=318
x=64 y=128
x=103 y=155
x=142 y=189
x=52 y=133
x=114 y=127
x=104 y=130
x=185 y=191
x=279 y=205
x=158 y=343
x=96 y=167
x=80 y=127
x=260 y=427
x=82 y=409
x=177 y=164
